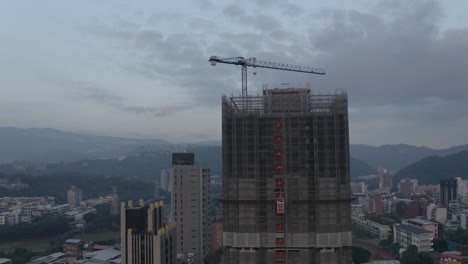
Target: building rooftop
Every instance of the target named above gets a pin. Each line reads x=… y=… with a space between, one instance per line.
x=73 y=241
x=48 y=259
x=103 y=255
x=384 y=262
x=4 y=260
x=413 y=229
x=421 y=221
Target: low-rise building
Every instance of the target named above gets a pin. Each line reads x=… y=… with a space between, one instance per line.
x=425 y=224
x=72 y=248
x=5 y=261
x=435 y=213
x=372 y=228
x=451 y=259
x=407 y=235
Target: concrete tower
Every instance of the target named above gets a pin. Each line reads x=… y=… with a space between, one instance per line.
x=286 y=179
x=144 y=236
x=191 y=206
x=74 y=197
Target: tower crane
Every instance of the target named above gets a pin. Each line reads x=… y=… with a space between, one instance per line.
x=253 y=62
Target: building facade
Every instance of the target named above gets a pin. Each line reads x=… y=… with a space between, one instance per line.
x=74 y=197
x=425 y=224
x=372 y=228
x=165 y=179
x=448 y=191
x=144 y=236
x=191 y=205
x=385 y=179
x=407 y=235
x=286 y=182
x=435 y=213
x=407 y=187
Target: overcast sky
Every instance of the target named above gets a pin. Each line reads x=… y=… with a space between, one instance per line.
x=140 y=69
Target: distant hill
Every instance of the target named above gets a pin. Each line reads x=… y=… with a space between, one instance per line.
x=360 y=168
x=395 y=157
x=145 y=157
x=145 y=166
x=50 y=145
x=431 y=169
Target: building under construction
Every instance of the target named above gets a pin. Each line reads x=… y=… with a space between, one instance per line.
x=286 y=182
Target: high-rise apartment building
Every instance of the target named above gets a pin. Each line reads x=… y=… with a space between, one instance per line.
x=74 y=197
x=165 y=180
x=407 y=187
x=385 y=179
x=191 y=205
x=144 y=235
x=287 y=194
x=448 y=191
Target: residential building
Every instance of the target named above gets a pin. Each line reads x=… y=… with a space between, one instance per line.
x=407 y=235
x=144 y=235
x=74 y=197
x=425 y=224
x=373 y=229
x=357 y=210
x=286 y=178
x=217 y=233
x=165 y=179
x=407 y=186
x=431 y=191
x=405 y=208
x=448 y=191
x=73 y=249
x=435 y=213
x=385 y=179
x=191 y=205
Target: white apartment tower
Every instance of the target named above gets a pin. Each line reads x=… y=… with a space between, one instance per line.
x=191 y=205
x=165 y=179
x=74 y=197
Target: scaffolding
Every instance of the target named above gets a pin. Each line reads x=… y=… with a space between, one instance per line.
x=286 y=178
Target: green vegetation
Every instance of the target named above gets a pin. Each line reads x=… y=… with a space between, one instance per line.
x=360 y=255
x=102 y=220
x=57 y=185
x=459 y=236
x=19 y=255
x=411 y=256
x=440 y=245
x=44 y=226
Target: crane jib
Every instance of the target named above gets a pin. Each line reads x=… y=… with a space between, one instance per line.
x=252 y=62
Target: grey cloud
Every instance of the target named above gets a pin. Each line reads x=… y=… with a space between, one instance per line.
x=87 y=91
x=394 y=56
x=233 y=11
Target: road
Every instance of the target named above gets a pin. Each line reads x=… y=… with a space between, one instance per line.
x=377 y=252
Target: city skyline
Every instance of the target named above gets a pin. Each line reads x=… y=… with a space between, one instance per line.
x=141 y=70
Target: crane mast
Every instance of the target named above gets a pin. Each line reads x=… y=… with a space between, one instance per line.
x=253 y=62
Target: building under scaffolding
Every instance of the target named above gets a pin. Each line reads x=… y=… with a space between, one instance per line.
x=286 y=183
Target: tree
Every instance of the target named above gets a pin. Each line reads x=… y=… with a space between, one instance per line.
x=425 y=258
x=410 y=256
x=360 y=255
x=440 y=245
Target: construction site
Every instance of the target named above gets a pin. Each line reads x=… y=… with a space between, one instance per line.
x=286 y=180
